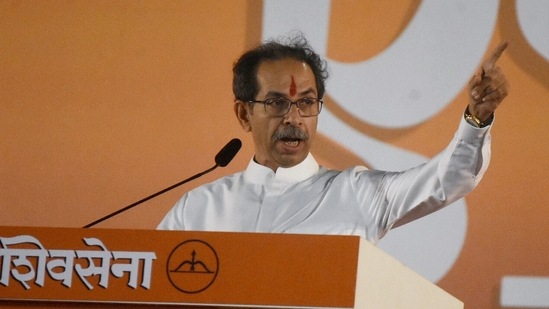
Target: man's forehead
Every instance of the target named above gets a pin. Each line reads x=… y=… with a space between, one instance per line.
x=283 y=65
x=293 y=87
x=285 y=78
x=284 y=73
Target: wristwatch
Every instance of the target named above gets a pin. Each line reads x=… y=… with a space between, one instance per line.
x=474 y=121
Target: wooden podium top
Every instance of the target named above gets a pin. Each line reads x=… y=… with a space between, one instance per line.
x=202 y=269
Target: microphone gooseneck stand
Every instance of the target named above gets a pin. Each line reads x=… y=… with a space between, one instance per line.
x=225 y=155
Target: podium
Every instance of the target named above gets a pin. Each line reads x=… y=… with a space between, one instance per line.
x=103 y=267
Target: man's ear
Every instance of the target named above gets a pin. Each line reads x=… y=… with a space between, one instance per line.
x=243 y=115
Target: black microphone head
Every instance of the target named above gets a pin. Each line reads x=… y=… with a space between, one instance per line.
x=227 y=153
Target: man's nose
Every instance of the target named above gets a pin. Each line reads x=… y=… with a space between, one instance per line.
x=292 y=116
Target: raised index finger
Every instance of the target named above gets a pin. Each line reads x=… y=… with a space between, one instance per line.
x=489 y=63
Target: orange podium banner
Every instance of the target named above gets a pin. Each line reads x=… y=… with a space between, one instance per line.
x=206 y=269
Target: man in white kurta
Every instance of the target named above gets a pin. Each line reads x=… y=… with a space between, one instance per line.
x=283 y=189
x=309 y=199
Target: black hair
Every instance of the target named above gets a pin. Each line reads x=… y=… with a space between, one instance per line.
x=245 y=86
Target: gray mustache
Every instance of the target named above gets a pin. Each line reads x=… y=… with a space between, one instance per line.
x=290 y=133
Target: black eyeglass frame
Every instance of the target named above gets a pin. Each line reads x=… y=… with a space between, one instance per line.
x=296 y=103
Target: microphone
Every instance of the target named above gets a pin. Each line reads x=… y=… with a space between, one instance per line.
x=223 y=157
x=227 y=153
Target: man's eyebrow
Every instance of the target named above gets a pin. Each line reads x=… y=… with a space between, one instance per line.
x=275 y=94
x=308 y=91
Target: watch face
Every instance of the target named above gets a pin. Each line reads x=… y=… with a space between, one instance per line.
x=472 y=121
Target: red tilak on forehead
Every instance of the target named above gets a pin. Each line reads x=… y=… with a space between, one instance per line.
x=293 y=87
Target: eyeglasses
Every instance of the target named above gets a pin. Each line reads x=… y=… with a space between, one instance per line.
x=278 y=107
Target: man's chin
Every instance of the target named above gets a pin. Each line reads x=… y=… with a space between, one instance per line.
x=291 y=160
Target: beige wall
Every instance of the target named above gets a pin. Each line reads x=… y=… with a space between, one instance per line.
x=105 y=102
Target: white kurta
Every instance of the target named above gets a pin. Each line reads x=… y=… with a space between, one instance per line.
x=308 y=199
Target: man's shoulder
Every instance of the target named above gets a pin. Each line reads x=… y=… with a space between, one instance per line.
x=349 y=170
x=352 y=174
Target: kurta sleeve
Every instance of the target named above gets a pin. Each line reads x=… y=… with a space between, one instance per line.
x=401 y=197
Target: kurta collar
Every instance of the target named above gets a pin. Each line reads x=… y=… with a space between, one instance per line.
x=260 y=174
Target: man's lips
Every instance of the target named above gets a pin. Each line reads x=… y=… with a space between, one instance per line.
x=292 y=143
x=290 y=146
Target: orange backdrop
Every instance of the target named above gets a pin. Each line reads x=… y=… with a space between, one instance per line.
x=105 y=102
